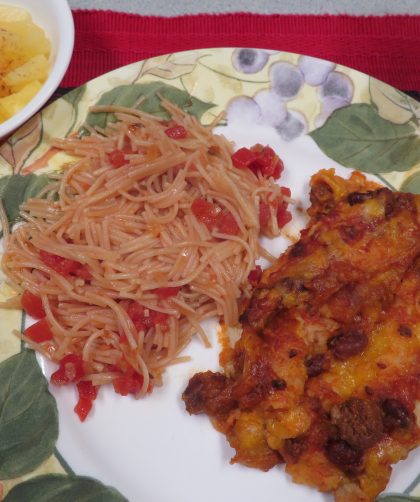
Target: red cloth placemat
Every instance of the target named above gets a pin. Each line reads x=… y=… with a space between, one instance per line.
x=386 y=47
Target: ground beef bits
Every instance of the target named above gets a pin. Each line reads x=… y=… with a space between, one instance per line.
x=405 y=331
x=343 y=455
x=359 y=422
x=316 y=364
x=396 y=415
x=208 y=393
x=360 y=197
x=345 y=344
x=322 y=198
x=256 y=383
x=293 y=449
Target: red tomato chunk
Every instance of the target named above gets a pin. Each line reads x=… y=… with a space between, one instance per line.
x=213 y=217
x=83 y=408
x=61 y=265
x=70 y=370
x=32 y=305
x=164 y=293
x=244 y=157
x=267 y=162
x=87 y=390
x=264 y=215
x=283 y=217
x=143 y=322
x=65 y=266
x=117 y=158
x=176 y=132
x=39 y=332
x=129 y=383
x=227 y=224
x=280 y=210
x=206 y=212
x=259 y=158
x=83 y=273
x=87 y=394
x=286 y=191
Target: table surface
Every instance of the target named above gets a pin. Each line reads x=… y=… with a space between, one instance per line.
x=177 y=7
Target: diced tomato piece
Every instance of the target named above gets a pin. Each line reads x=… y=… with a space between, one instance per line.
x=135 y=312
x=61 y=265
x=143 y=322
x=264 y=215
x=227 y=224
x=129 y=383
x=278 y=169
x=59 y=377
x=243 y=158
x=255 y=275
x=266 y=162
x=136 y=383
x=283 y=216
x=164 y=293
x=113 y=367
x=84 y=273
x=176 y=132
x=205 y=212
x=286 y=191
x=87 y=390
x=87 y=394
x=265 y=156
x=121 y=385
x=70 y=370
x=123 y=337
x=39 y=332
x=32 y=305
x=157 y=317
x=117 y=158
x=83 y=408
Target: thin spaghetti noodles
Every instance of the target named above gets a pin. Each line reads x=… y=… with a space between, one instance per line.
x=151 y=230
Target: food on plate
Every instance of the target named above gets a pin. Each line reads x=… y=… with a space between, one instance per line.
x=325 y=375
x=153 y=228
x=24 y=59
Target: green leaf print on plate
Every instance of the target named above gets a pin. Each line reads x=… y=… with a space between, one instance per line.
x=16 y=189
x=63 y=488
x=19 y=147
x=146 y=98
x=28 y=416
x=357 y=137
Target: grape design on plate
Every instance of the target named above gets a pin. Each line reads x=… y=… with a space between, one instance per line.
x=273 y=106
x=249 y=60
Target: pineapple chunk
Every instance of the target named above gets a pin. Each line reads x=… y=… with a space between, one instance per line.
x=10 y=105
x=10 y=14
x=36 y=68
x=24 y=59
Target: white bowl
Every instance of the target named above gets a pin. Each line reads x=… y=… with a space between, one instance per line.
x=55 y=17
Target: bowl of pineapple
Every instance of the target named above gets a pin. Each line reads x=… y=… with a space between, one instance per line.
x=36 y=44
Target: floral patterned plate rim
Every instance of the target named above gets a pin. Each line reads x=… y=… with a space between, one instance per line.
x=316 y=114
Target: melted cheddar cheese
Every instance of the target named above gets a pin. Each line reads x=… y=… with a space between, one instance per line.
x=325 y=374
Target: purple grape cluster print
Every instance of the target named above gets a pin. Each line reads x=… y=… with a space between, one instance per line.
x=273 y=106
